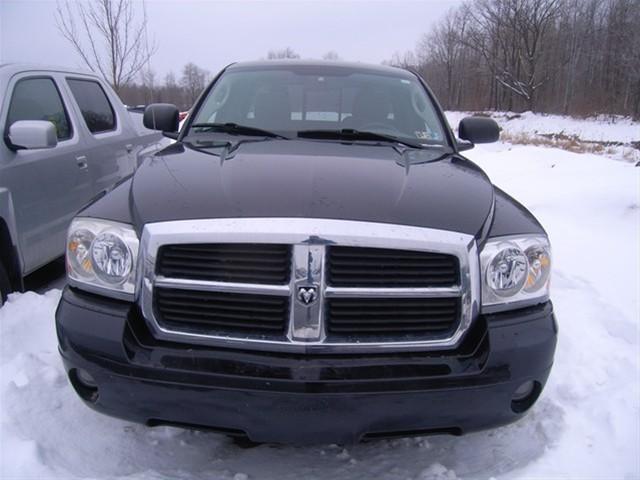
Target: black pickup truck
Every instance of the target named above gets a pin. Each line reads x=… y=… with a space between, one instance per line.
x=312 y=260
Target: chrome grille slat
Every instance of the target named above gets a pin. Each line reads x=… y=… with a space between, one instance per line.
x=381 y=314
x=184 y=284
x=373 y=317
x=396 y=328
x=392 y=292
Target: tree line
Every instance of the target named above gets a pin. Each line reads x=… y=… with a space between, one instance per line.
x=578 y=57
x=184 y=91
x=181 y=91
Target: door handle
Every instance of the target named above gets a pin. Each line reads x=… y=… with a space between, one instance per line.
x=129 y=147
x=82 y=162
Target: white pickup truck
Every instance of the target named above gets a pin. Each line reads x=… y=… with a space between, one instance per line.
x=67 y=140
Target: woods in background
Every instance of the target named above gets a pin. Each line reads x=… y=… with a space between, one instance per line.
x=577 y=57
x=182 y=91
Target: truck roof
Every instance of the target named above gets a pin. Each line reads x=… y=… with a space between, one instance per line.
x=13 y=68
x=284 y=64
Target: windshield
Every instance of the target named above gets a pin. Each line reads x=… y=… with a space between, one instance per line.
x=293 y=99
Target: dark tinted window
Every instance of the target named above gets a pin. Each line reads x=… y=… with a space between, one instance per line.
x=293 y=99
x=94 y=104
x=39 y=99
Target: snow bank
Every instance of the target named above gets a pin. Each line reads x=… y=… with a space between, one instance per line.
x=614 y=136
x=596 y=129
x=586 y=424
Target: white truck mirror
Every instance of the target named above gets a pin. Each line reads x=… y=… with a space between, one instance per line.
x=32 y=134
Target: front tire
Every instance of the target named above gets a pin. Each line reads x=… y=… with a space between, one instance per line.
x=5 y=286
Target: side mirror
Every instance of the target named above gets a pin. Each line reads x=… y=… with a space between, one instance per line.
x=161 y=116
x=478 y=130
x=32 y=135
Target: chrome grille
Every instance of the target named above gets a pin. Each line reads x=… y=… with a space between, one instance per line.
x=193 y=291
x=375 y=267
x=227 y=262
x=222 y=312
x=401 y=317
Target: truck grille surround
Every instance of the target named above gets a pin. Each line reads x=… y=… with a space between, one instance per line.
x=308 y=285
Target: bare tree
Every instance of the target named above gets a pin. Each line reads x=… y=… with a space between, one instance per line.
x=331 y=55
x=172 y=92
x=193 y=81
x=407 y=59
x=148 y=80
x=170 y=80
x=510 y=35
x=444 y=48
x=283 y=53
x=107 y=36
x=534 y=21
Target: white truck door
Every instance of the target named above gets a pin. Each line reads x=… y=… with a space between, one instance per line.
x=110 y=138
x=47 y=186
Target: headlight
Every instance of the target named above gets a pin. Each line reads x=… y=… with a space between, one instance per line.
x=101 y=257
x=515 y=269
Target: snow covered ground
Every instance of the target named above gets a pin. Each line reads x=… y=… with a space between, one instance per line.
x=586 y=424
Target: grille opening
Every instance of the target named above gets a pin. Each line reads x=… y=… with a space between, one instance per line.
x=378 y=267
x=216 y=311
x=309 y=372
x=392 y=316
x=456 y=431
x=376 y=372
x=227 y=262
x=223 y=366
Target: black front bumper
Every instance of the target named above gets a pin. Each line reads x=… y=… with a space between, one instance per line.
x=295 y=398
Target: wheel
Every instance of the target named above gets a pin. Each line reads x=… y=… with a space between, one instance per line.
x=5 y=286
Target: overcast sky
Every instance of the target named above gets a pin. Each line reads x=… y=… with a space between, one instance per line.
x=215 y=33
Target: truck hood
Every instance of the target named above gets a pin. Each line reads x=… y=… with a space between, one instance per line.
x=312 y=179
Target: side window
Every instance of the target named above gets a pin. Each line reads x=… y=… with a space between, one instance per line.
x=96 y=110
x=39 y=99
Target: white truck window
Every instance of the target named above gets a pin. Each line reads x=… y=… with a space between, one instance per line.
x=96 y=109
x=37 y=98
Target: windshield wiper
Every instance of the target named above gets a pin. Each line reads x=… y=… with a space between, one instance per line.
x=349 y=134
x=235 y=129
x=229 y=147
